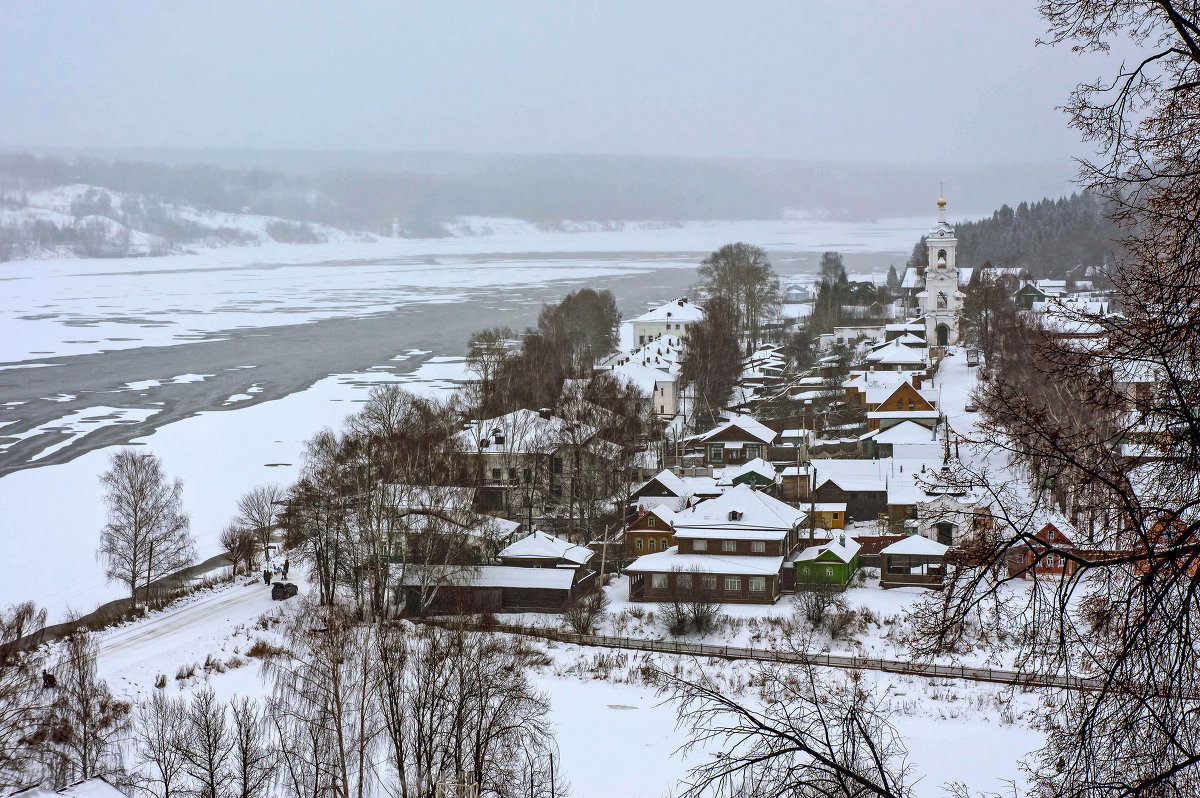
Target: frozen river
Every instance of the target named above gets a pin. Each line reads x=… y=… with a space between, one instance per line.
x=225 y=362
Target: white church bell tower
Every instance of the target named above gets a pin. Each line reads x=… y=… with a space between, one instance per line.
x=941 y=300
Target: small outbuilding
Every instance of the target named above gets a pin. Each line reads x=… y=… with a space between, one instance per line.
x=914 y=561
x=542 y=550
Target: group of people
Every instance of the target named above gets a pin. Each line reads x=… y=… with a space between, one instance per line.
x=283 y=571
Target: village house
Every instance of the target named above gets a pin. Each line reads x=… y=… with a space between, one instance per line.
x=652 y=530
x=673 y=318
x=731 y=547
x=831 y=563
x=895 y=356
x=757 y=473
x=542 y=550
x=907 y=440
x=527 y=458
x=734 y=442
x=1034 y=558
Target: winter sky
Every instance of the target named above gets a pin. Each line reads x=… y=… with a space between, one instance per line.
x=922 y=81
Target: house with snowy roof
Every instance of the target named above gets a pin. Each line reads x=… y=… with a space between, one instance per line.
x=831 y=563
x=757 y=473
x=542 y=550
x=652 y=530
x=895 y=356
x=905 y=440
x=738 y=440
x=654 y=369
x=672 y=318
x=731 y=548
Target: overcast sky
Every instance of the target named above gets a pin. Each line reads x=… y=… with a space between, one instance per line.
x=922 y=81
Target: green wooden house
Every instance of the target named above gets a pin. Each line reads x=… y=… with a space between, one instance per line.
x=832 y=563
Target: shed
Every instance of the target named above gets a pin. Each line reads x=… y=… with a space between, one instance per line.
x=914 y=561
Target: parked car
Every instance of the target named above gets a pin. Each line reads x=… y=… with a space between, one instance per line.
x=283 y=590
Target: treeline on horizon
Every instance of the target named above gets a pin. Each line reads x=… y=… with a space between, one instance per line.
x=1051 y=238
x=410 y=194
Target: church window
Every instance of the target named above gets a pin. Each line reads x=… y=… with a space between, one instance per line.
x=941 y=300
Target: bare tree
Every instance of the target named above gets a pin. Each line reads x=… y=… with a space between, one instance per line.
x=802 y=736
x=79 y=736
x=158 y=730
x=325 y=691
x=238 y=545
x=22 y=698
x=584 y=612
x=148 y=534
x=253 y=761
x=1118 y=460
x=207 y=745
x=258 y=510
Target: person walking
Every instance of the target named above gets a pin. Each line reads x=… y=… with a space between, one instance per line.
x=286 y=564
x=267 y=576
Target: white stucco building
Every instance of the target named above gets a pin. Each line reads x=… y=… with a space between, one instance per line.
x=673 y=319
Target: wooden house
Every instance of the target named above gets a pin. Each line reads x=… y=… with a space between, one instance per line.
x=732 y=548
x=651 y=531
x=541 y=550
x=831 y=563
x=734 y=442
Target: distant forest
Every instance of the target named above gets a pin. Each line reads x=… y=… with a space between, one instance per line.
x=1049 y=238
x=373 y=192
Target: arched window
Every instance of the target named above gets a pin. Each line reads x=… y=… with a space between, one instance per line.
x=941 y=300
x=941 y=259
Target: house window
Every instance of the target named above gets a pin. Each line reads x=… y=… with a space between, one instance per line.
x=496 y=474
x=758 y=584
x=637 y=543
x=650 y=543
x=758 y=547
x=829 y=572
x=911 y=406
x=709 y=582
x=734 y=515
x=512 y=476
x=733 y=584
x=753 y=451
x=683 y=581
x=804 y=572
x=835 y=516
x=716 y=453
x=899 y=404
x=528 y=475
x=699 y=545
x=658 y=581
x=663 y=544
x=651 y=521
x=729 y=545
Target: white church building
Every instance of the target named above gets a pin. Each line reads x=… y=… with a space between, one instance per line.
x=941 y=300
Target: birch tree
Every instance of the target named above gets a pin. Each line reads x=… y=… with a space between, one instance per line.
x=148 y=535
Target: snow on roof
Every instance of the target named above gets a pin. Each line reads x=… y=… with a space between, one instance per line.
x=896 y=352
x=668 y=480
x=886 y=414
x=756 y=466
x=739 y=512
x=915 y=544
x=672 y=560
x=524 y=431
x=910 y=340
x=843 y=547
x=680 y=310
x=748 y=424
x=95 y=787
x=541 y=545
x=912 y=278
x=500 y=576
x=905 y=432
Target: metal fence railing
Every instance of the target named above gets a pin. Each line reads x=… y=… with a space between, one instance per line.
x=846 y=662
